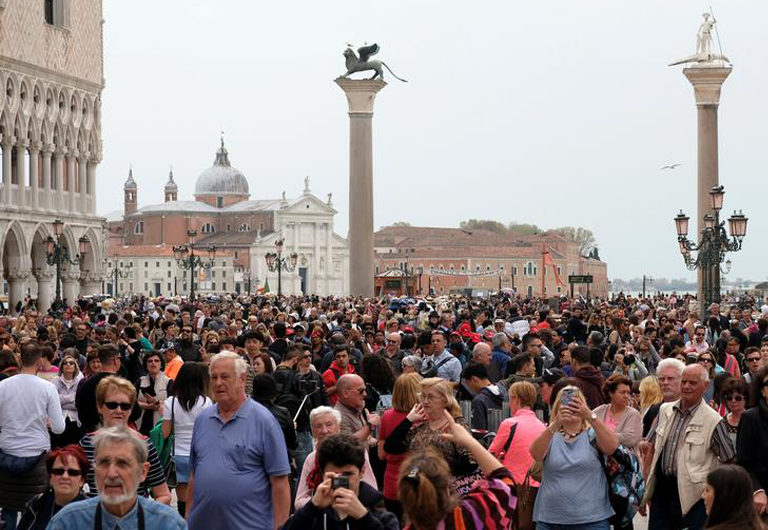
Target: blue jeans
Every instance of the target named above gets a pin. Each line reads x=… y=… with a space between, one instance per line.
x=304 y=440
x=597 y=525
x=10 y=518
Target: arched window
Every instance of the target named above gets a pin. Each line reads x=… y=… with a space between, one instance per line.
x=244 y=228
x=207 y=228
x=138 y=228
x=530 y=291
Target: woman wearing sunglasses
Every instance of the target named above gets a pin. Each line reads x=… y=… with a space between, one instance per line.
x=66 y=385
x=707 y=360
x=115 y=398
x=67 y=468
x=734 y=395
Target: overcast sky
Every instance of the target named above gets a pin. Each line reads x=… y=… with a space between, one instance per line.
x=554 y=113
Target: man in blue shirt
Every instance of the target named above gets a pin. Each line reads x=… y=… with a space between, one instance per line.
x=121 y=465
x=448 y=366
x=238 y=458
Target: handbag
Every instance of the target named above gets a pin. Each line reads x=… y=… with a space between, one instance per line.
x=526 y=493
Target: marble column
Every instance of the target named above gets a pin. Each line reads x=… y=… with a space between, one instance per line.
x=92 y=185
x=7 y=168
x=70 y=285
x=707 y=80
x=71 y=178
x=34 y=172
x=330 y=272
x=58 y=168
x=360 y=97
x=17 y=288
x=47 y=201
x=21 y=171
x=82 y=167
x=44 y=289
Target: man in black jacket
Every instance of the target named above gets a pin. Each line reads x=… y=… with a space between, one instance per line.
x=487 y=395
x=342 y=500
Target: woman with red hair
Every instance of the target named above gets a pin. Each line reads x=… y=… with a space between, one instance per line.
x=67 y=468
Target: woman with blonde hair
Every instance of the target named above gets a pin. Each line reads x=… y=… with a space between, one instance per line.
x=650 y=395
x=570 y=451
x=405 y=395
x=423 y=427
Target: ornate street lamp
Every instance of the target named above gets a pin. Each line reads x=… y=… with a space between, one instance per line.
x=119 y=272
x=56 y=254
x=187 y=259
x=713 y=244
x=276 y=262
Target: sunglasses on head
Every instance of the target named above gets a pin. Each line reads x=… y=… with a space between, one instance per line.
x=112 y=405
x=59 y=471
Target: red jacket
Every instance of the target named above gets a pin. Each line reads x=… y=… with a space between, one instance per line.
x=332 y=374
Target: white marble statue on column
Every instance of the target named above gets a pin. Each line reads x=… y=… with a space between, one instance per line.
x=704 y=55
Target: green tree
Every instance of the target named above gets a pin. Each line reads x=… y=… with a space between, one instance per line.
x=484 y=224
x=401 y=223
x=523 y=229
x=584 y=237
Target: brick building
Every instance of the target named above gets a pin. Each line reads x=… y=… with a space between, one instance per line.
x=448 y=260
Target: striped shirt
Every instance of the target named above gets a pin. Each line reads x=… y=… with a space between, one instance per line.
x=720 y=443
x=155 y=477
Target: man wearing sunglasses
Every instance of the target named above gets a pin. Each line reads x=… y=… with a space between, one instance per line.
x=355 y=420
x=752 y=363
x=27 y=405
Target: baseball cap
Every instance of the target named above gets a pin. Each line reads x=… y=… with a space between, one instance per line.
x=551 y=376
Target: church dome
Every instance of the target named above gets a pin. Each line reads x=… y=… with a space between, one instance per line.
x=221 y=178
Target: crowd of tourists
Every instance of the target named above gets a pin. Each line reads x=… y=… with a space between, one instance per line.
x=420 y=413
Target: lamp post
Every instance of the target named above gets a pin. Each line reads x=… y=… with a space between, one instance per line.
x=119 y=272
x=55 y=254
x=406 y=273
x=713 y=244
x=421 y=272
x=247 y=277
x=648 y=279
x=185 y=256
x=276 y=262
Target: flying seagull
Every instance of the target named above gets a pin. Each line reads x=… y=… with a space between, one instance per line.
x=671 y=166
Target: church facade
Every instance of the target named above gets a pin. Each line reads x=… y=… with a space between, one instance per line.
x=223 y=215
x=51 y=72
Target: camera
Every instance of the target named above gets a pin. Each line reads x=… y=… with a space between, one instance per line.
x=629 y=360
x=340 y=482
x=307 y=386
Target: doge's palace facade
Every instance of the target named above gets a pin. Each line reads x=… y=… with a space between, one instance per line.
x=51 y=77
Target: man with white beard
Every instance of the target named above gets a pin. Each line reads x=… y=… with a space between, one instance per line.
x=121 y=465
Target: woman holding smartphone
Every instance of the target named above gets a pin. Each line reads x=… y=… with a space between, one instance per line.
x=569 y=449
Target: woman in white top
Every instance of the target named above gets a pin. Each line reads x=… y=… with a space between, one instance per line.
x=66 y=385
x=189 y=397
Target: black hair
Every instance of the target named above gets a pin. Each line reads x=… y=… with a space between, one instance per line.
x=340 y=450
x=475 y=370
x=407 y=340
x=520 y=360
x=581 y=355
x=378 y=372
x=596 y=357
x=733 y=505
x=191 y=382
x=425 y=338
x=30 y=354
x=153 y=353
x=757 y=385
x=108 y=353
x=279 y=329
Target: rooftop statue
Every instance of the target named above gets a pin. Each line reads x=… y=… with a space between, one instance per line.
x=704 y=53
x=360 y=62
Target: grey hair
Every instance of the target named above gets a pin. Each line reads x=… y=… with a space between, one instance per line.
x=500 y=339
x=412 y=360
x=323 y=409
x=121 y=434
x=596 y=338
x=671 y=362
x=241 y=367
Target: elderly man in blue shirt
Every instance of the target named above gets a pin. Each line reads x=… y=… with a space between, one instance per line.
x=238 y=458
x=121 y=465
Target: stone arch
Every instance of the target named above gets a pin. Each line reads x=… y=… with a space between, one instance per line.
x=24 y=97
x=33 y=130
x=11 y=90
x=19 y=131
x=15 y=249
x=45 y=132
x=93 y=144
x=5 y=124
x=58 y=138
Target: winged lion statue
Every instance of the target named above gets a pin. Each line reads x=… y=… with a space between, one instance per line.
x=360 y=62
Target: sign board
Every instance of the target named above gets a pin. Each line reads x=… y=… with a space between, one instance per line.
x=585 y=278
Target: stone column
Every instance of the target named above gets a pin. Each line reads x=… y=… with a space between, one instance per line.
x=360 y=97
x=7 y=168
x=17 y=287
x=70 y=286
x=82 y=167
x=58 y=168
x=329 y=270
x=92 y=185
x=47 y=201
x=44 y=289
x=707 y=82
x=21 y=173
x=71 y=178
x=34 y=171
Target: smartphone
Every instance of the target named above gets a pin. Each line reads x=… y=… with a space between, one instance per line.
x=567 y=396
x=340 y=482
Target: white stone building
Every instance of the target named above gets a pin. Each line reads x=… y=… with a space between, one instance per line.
x=51 y=74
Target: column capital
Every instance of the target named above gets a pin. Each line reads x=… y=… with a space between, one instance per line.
x=47 y=149
x=18 y=275
x=74 y=153
x=84 y=156
x=70 y=276
x=35 y=145
x=22 y=142
x=707 y=82
x=43 y=274
x=8 y=141
x=360 y=93
x=60 y=151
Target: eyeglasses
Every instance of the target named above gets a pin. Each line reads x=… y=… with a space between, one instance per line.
x=67 y=362
x=112 y=405
x=428 y=397
x=361 y=391
x=753 y=359
x=734 y=397
x=153 y=360
x=710 y=361
x=59 y=471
